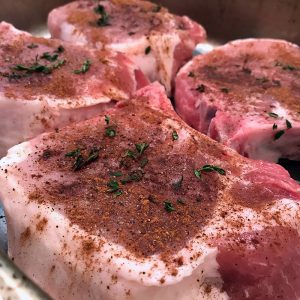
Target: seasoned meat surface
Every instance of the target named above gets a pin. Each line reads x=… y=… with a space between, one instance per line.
x=135 y=204
x=46 y=84
x=158 y=41
x=245 y=95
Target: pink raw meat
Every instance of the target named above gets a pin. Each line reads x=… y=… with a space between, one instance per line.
x=39 y=90
x=156 y=40
x=245 y=95
x=122 y=206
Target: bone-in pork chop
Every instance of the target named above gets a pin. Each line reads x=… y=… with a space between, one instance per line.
x=158 y=41
x=246 y=95
x=137 y=205
x=45 y=84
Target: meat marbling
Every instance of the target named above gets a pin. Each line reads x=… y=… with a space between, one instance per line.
x=39 y=90
x=157 y=41
x=122 y=207
x=246 y=95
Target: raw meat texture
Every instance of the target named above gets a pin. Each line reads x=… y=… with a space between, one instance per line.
x=111 y=208
x=157 y=41
x=48 y=94
x=245 y=95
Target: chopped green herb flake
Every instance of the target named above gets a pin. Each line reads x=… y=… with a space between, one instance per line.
x=273 y=115
x=58 y=64
x=80 y=162
x=288 y=124
x=107 y=119
x=201 y=88
x=148 y=50
x=104 y=19
x=278 y=134
x=175 y=136
x=209 y=168
x=110 y=132
x=191 y=74
x=141 y=147
x=115 y=174
x=49 y=57
x=133 y=176
x=32 y=46
x=274 y=126
x=169 y=206
x=113 y=185
x=130 y=153
x=85 y=67
x=60 y=49
x=144 y=162
x=36 y=67
x=197 y=173
x=73 y=153
x=119 y=193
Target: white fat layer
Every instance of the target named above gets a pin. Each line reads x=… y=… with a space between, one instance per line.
x=164 y=48
x=280 y=111
x=158 y=63
x=28 y=118
x=70 y=34
x=79 y=274
x=258 y=141
x=75 y=273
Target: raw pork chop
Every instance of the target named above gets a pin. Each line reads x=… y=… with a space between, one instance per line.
x=246 y=95
x=39 y=89
x=138 y=205
x=159 y=42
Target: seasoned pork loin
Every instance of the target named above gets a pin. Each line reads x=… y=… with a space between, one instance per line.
x=135 y=204
x=159 y=42
x=45 y=84
x=246 y=95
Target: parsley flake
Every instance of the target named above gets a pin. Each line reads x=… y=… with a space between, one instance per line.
x=115 y=174
x=209 y=168
x=144 y=162
x=110 y=132
x=85 y=67
x=107 y=118
x=104 y=19
x=141 y=147
x=169 y=206
x=278 y=134
x=273 y=115
x=49 y=57
x=148 y=50
x=113 y=186
x=73 y=153
x=288 y=124
x=60 y=49
x=201 y=88
x=191 y=74
x=175 y=136
x=274 y=126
